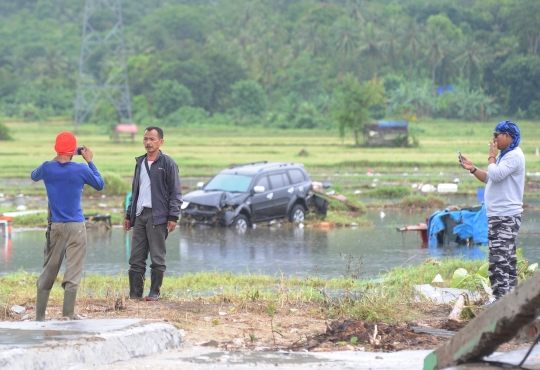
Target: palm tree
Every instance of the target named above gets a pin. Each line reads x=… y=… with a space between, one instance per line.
x=447 y=61
x=309 y=38
x=392 y=32
x=53 y=61
x=269 y=56
x=470 y=59
x=137 y=44
x=346 y=35
x=371 y=42
x=355 y=10
x=412 y=39
x=435 y=48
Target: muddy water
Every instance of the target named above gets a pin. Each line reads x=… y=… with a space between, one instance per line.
x=269 y=250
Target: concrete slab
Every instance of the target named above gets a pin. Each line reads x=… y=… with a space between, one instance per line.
x=203 y=358
x=63 y=344
x=496 y=360
x=31 y=333
x=442 y=295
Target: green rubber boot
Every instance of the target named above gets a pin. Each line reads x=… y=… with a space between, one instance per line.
x=68 y=308
x=41 y=303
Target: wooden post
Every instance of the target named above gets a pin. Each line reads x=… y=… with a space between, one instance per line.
x=493 y=327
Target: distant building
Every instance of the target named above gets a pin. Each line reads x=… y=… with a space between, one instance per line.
x=387 y=133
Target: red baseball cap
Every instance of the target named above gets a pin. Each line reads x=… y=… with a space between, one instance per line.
x=66 y=143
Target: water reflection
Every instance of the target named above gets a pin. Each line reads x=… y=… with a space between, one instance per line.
x=269 y=250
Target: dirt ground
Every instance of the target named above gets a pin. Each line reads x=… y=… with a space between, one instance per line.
x=293 y=327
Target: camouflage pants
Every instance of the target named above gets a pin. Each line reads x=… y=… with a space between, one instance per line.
x=502 y=233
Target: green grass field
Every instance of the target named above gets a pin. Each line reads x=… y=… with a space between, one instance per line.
x=201 y=151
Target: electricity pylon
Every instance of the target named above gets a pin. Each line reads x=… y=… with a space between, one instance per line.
x=102 y=62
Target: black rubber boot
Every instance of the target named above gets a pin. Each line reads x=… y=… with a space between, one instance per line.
x=136 y=284
x=41 y=303
x=155 y=285
x=68 y=309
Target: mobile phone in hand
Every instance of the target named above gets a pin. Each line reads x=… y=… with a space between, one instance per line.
x=460 y=157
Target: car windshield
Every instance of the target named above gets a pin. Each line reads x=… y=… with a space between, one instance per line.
x=229 y=182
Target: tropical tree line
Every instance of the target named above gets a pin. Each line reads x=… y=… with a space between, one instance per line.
x=281 y=63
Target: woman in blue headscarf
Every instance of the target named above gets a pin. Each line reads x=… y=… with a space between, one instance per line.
x=505 y=183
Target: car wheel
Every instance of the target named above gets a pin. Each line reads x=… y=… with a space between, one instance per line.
x=240 y=223
x=298 y=214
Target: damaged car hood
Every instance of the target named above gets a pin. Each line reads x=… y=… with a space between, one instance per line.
x=214 y=198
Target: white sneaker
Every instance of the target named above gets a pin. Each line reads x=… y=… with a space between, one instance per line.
x=489 y=302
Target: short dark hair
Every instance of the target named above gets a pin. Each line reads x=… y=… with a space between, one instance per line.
x=158 y=129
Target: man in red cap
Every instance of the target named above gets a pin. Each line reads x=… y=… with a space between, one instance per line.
x=66 y=236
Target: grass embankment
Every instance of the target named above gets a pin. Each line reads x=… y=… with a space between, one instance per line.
x=201 y=151
x=389 y=298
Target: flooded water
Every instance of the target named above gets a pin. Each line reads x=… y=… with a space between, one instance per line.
x=269 y=250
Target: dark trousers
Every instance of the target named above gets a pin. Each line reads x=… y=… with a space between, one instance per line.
x=148 y=238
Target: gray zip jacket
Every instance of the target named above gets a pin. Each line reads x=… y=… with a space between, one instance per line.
x=165 y=189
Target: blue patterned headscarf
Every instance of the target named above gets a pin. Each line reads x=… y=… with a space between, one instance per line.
x=511 y=129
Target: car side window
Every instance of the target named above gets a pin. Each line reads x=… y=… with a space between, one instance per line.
x=263 y=181
x=296 y=176
x=286 y=180
x=277 y=181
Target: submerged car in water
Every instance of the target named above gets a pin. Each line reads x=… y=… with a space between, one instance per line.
x=243 y=195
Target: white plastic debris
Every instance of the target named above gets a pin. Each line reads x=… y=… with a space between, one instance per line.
x=18 y=309
x=447 y=188
x=428 y=188
x=437 y=279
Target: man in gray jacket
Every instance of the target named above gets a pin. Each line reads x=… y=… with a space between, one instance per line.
x=153 y=213
x=505 y=183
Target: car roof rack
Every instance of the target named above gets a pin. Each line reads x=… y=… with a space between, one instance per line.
x=279 y=164
x=247 y=164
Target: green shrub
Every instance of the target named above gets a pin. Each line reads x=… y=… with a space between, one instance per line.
x=389 y=192
x=420 y=201
x=4 y=132
x=114 y=185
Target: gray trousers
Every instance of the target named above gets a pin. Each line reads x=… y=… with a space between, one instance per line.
x=67 y=239
x=148 y=239
x=502 y=234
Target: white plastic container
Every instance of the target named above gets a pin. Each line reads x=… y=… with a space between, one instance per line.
x=427 y=188
x=447 y=188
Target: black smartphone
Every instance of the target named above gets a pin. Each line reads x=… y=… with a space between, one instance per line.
x=460 y=157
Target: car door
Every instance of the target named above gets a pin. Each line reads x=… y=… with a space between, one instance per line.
x=262 y=203
x=283 y=191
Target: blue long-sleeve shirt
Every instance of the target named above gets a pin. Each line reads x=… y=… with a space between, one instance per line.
x=64 y=183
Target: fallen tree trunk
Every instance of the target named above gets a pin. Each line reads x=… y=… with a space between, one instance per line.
x=339 y=197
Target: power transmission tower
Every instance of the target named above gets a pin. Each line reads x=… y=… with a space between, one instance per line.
x=102 y=62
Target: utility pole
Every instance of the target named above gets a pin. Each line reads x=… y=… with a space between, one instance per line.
x=102 y=61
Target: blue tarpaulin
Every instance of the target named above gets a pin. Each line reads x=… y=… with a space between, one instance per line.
x=470 y=225
x=391 y=124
